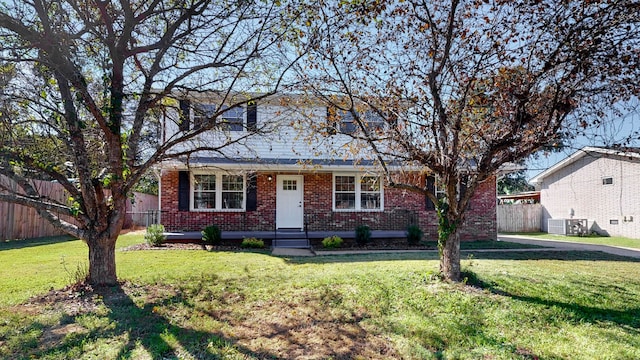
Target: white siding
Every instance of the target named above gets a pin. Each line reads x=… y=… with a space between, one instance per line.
x=285 y=135
x=578 y=188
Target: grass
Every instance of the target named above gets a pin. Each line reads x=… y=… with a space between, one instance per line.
x=591 y=239
x=241 y=305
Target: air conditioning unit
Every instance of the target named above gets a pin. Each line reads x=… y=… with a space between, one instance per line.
x=567 y=227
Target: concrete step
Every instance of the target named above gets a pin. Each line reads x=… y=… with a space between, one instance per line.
x=291 y=235
x=291 y=243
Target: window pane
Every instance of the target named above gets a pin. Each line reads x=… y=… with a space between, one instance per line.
x=232 y=200
x=204 y=182
x=204 y=200
x=345 y=183
x=370 y=183
x=232 y=182
x=289 y=185
x=347 y=124
x=234 y=119
x=232 y=191
x=373 y=120
x=345 y=201
x=202 y=112
x=370 y=201
x=347 y=127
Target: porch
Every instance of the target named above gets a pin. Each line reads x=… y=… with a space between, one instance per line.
x=284 y=238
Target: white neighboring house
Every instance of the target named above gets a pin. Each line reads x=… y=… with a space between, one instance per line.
x=597 y=184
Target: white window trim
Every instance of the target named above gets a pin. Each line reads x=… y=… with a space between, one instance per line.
x=358 y=205
x=218 y=205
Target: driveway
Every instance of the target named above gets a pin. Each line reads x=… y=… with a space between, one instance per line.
x=568 y=246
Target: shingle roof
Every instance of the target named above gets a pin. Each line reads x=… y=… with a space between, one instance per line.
x=630 y=152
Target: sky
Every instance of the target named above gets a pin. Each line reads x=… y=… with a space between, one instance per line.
x=615 y=130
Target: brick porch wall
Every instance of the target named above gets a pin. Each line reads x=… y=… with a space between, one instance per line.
x=401 y=209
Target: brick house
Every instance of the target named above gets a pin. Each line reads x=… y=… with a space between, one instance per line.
x=596 y=184
x=286 y=178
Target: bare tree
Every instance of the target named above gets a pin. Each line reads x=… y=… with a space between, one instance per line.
x=465 y=87
x=92 y=78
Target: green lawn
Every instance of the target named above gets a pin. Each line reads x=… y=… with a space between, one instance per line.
x=591 y=239
x=241 y=305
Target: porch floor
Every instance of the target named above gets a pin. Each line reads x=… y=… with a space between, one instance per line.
x=287 y=234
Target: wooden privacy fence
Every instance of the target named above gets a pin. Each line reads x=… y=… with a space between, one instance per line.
x=519 y=217
x=142 y=210
x=22 y=222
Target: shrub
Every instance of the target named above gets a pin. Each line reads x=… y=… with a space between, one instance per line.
x=414 y=235
x=154 y=235
x=211 y=235
x=252 y=243
x=363 y=235
x=332 y=242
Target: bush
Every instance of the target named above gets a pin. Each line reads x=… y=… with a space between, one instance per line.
x=154 y=235
x=211 y=235
x=252 y=243
x=414 y=235
x=332 y=242
x=363 y=235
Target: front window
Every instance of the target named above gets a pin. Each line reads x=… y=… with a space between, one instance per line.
x=202 y=113
x=440 y=190
x=218 y=192
x=345 y=192
x=232 y=191
x=347 y=123
x=233 y=119
x=357 y=192
x=370 y=192
x=230 y=119
x=204 y=191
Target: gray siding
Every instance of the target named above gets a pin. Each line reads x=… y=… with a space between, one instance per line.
x=579 y=187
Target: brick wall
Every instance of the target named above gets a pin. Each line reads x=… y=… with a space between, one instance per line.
x=401 y=209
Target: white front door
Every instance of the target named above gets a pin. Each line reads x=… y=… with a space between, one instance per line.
x=289 y=206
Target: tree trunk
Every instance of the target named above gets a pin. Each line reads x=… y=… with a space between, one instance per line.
x=102 y=261
x=450 y=257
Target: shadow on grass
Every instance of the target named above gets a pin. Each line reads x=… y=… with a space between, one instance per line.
x=25 y=243
x=550 y=254
x=627 y=319
x=162 y=322
x=546 y=254
x=132 y=329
